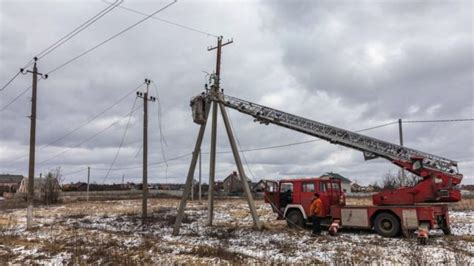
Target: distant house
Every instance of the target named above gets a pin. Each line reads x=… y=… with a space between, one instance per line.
x=232 y=184
x=41 y=185
x=356 y=188
x=345 y=182
x=10 y=183
x=219 y=186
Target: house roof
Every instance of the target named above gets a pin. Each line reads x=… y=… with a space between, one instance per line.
x=10 y=178
x=234 y=175
x=337 y=176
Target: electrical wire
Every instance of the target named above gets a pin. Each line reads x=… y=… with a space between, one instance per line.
x=93 y=118
x=14 y=99
x=74 y=172
x=109 y=39
x=90 y=120
x=140 y=166
x=167 y=21
x=302 y=142
x=88 y=139
x=10 y=81
x=162 y=137
x=240 y=147
x=78 y=29
x=438 y=120
x=121 y=142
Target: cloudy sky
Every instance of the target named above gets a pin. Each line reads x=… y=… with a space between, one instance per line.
x=350 y=65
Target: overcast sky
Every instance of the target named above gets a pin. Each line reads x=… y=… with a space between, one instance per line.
x=349 y=65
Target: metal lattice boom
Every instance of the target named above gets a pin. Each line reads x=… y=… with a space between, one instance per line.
x=371 y=147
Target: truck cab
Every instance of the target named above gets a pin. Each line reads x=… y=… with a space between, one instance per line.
x=291 y=198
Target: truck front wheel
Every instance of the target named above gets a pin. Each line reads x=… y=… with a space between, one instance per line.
x=387 y=225
x=295 y=219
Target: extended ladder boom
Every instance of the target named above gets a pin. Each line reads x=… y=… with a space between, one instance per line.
x=371 y=147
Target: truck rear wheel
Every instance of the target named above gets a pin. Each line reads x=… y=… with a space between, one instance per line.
x=387 y=225
x=295 y=219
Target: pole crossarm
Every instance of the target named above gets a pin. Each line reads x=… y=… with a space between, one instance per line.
x=210 y=48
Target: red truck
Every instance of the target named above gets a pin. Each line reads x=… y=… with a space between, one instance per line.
x=291 y=199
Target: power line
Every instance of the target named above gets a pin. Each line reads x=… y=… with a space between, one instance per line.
x=167 y=21
x=139 y=166
x=121 y=142
x=78 y=29
x=10 y=81
x=159 y=120
x=75 y=172
x=93 y=118
x=439 y=120
x=240 y=148
x=90 y=120
x=14 y=99
x=88 y=139
x=303 y=142
x=109 y=39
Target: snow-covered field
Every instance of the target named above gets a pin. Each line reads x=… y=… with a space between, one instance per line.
x=111 y=232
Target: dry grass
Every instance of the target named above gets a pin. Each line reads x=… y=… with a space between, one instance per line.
x=75 y=229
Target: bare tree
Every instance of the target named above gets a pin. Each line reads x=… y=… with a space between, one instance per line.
x=50 y=188
x=392 y=181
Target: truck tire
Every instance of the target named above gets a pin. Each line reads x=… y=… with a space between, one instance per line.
x=295 y=219
x=387 y=225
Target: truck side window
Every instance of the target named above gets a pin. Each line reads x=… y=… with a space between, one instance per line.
x=322 y=187
x=308 y=187
x=286 y=187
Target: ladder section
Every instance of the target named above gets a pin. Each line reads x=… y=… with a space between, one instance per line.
x=371 y=147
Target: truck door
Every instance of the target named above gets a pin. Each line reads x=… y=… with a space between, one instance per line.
x=308 y=188
x=335 y=192
x=272 y=195
x=324 y=194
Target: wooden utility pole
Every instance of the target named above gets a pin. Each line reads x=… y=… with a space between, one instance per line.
x=215 y=96
x=88 y=180
x=400 y=132
x=31 y=164
x=145 y=98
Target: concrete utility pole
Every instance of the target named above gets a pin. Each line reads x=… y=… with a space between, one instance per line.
x=400 y=132
x=212 y=167
x=88 y=180
x=200 y=180
x=192 y=189
x=215 y=96
x=123 y=180
x=145 y=98
x=31 y=164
